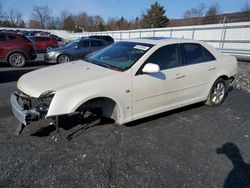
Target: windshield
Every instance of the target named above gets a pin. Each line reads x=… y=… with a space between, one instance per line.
x=72 y=43
x=120 y=56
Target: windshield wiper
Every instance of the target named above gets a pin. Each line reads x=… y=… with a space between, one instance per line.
x=106 y=65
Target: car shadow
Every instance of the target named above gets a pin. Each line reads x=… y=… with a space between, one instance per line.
x=78 y=125
x=239 y=176
x=74 y=122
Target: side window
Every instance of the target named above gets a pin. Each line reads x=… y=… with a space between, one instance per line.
x=195 y=53
x=3 y=37
x=84 y=44
x=96 y=43
x=208 y=55
x=166 y=57
x=44 y=39
x=38 y=39
x=11 y=37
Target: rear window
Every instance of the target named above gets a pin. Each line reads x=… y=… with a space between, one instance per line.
x=11 y=37
x=96 y=43
x=42 y=39
x=196 y=53
x=3 y=37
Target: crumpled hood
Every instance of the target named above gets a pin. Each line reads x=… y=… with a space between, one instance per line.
x=61 y=76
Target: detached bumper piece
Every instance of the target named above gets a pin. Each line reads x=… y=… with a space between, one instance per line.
x=23 y=111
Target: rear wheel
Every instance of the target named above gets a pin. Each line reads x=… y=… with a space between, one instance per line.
x=17 y=60
x=63 y=59
x=217 y=93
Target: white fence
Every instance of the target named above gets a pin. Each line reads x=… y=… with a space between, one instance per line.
x=232 y=38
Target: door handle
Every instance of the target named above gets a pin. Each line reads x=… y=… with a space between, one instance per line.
x=211 y=68
x=178 y=76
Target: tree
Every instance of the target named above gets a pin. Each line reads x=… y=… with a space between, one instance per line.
x=198 y=11
x=112 y=24
x=245 y=7
x=100 y=27
x=15 y=18
x=69 y=23
x=213 y=10
x=155 y=17
x=40 y=17
x=122 y=24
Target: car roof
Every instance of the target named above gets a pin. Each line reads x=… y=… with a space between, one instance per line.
x=162 y=40
x=10 y=33
x=82 y=39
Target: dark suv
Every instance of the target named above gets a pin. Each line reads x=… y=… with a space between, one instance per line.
x=16 y=49
x=108 y=39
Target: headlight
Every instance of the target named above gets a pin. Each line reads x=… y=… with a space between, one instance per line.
x=47 y=94
x=51 y=53
x=45 y=98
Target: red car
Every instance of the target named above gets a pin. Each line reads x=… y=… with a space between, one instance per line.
x=16 y=49
x=43 y=44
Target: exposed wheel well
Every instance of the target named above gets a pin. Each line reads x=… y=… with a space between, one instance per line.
x=109 y=107
x=224 y=77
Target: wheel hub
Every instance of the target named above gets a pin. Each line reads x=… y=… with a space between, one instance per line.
x=218 y=94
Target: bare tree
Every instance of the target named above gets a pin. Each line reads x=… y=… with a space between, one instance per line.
x=213 y=10
x=62 y=17
x=198 y=11
x=15 y=18
x=40 y=17
x=69 y=23
x=245 y=7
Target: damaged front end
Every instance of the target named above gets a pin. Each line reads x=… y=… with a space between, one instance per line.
x=27 y=109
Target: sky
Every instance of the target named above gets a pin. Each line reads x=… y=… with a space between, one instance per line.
x=117 y=8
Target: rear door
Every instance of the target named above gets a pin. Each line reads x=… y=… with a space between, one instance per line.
x=200 y=67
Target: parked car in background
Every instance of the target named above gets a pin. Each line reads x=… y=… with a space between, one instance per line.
x=43 y=44
x=16 y=49
x=128 y=80
x=107 y=38
x=55 y=37
x=77 y=49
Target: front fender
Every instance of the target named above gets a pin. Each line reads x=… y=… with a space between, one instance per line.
x=62 y=105
x=67 y=100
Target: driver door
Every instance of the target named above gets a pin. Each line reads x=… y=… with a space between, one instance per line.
x=158 y=92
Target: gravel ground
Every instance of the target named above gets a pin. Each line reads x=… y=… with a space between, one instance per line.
x=195 y=146
x=243 y=78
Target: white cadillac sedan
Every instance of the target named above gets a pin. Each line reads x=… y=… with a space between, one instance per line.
x=127 y=80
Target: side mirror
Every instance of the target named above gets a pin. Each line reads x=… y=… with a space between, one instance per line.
x=76 y=46
x=151 y=68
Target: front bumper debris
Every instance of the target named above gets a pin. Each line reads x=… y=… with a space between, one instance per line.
x=24 y=111
x=23 y=116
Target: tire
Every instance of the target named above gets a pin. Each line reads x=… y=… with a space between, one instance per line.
x=17 y=60
x=63 y=59
x=217 y=93
x=48 y=48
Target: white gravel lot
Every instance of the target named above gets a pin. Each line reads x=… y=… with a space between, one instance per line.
x=243 y=78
